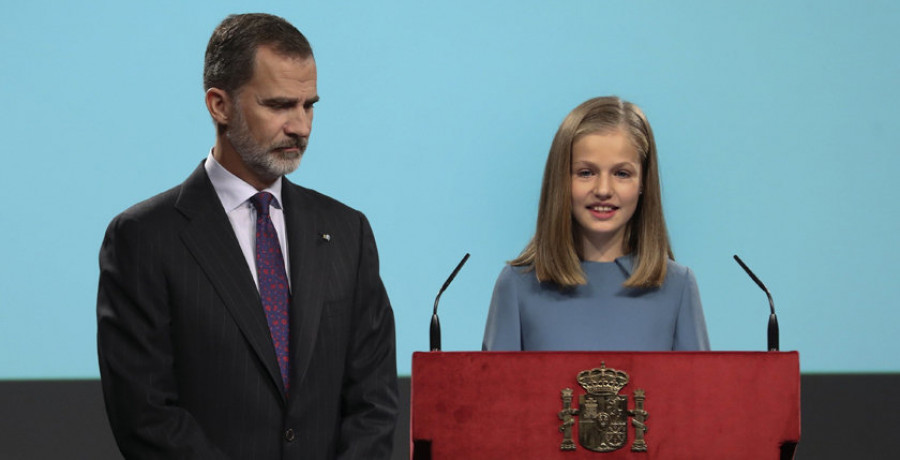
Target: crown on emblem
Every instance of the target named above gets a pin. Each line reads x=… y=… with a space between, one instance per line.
x=601 y=380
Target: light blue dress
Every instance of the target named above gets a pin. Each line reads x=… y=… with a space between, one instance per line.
x=601 y=315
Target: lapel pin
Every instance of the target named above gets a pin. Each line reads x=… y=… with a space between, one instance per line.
x=326 y=237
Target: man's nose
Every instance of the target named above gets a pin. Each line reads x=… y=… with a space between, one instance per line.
x=299 y=123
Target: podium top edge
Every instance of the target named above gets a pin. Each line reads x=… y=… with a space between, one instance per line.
x=605 y=353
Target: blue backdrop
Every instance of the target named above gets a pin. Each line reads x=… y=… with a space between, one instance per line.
x=776 y=123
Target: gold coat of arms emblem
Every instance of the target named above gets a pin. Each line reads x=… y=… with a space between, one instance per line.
x=603 y=412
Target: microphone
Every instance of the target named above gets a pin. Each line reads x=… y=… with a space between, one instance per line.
x=773 y=320
x=435 y=335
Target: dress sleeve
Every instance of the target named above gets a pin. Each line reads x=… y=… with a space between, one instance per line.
x=690 y=329
x=503 y=331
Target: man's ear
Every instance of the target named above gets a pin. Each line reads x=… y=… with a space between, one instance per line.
x=219 y=105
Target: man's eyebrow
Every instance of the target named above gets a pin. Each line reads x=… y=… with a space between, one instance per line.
x=278 y=101
x=285 y=101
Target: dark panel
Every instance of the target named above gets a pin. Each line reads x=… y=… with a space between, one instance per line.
x=844 y=416
x=60 y=419
x=847 y=416
x=54 y=419
x=401 y=436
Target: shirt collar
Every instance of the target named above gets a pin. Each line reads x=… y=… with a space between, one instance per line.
x=233 y=192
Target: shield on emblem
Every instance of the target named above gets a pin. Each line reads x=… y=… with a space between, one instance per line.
x=603 y=423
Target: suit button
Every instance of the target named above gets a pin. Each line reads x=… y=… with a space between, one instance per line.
x=289 y=435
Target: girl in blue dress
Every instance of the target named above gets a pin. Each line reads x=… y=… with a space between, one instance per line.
x=599 y=273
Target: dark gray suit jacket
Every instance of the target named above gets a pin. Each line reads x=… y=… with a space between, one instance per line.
x=187 y=363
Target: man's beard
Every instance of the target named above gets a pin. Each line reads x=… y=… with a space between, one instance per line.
x=263 y=160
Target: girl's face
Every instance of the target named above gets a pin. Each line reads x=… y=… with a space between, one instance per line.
x=606 y=187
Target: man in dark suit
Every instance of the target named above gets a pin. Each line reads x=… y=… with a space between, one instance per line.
x=240 y=315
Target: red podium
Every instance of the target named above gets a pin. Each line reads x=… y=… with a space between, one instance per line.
x=674 y=405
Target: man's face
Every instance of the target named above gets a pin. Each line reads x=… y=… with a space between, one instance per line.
x=272 y=116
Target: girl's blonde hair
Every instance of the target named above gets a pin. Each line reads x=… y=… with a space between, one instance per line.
x=554 y=252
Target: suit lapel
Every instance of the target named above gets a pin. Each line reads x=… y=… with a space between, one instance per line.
x=210 y=239
x=307 y=256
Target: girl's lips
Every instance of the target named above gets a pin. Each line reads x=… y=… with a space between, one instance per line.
x=603 y=211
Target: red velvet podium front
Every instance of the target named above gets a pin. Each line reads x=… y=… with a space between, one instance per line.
x=700 y=405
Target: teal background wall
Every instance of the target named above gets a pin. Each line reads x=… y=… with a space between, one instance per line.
x=776 y=122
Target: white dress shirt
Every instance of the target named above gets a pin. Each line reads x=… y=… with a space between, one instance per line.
x=235 y=196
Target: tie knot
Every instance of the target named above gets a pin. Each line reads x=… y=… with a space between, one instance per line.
x=261 y=202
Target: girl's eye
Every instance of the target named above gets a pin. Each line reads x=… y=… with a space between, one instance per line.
x=623 y=174
x=584 y=173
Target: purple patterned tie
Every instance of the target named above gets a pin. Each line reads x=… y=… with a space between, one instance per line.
x=273 y=282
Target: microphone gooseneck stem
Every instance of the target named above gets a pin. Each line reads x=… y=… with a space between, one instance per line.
x=435 y=333
x=773 y=320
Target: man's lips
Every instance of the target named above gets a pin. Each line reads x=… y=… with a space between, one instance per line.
x=290 y=149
